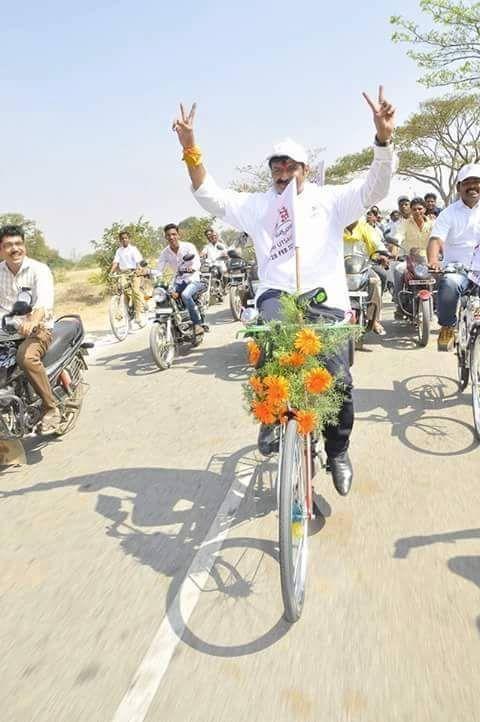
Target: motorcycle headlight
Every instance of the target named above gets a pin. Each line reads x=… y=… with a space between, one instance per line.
x=248 y=315
x=421 y=271
x=160 y=295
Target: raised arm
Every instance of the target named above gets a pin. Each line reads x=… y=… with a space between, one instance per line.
x=235 y=208
x=192 y=155
x=355 y=197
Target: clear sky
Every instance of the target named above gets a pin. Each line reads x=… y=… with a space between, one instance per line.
x=90 y=88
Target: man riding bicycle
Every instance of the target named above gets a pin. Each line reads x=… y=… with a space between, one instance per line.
x=128 y=258
x=455 y=234
x=322 y=213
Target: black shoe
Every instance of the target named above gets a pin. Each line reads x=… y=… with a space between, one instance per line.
x=341 y=469
x=268 y=439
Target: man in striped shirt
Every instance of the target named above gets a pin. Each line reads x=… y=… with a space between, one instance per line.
x=18 y=272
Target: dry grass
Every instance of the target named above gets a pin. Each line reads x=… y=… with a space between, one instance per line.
x=76 y=294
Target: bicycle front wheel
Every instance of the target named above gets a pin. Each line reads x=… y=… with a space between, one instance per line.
x=475 y=378
x=119 y=316
x=293 y=521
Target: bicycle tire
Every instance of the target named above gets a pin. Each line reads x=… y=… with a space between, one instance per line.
x=118 y=304
x=293 y=533
x=475 y=379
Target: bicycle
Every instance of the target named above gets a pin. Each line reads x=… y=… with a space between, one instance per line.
x=122 y=309
x=467 y=339
x=296 y=467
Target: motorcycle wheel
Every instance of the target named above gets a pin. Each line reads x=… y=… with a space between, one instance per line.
x=424 y=322
x=71 y=412
x=235 y=302
x=162 y=346
x=119 y=316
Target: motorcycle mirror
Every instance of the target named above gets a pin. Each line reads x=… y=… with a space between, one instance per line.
x=189 y=257
x=232 y=253
x=21 y=308
x=143 y=263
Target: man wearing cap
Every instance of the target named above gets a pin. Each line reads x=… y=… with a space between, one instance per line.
x=455 y=234
x=321 y=213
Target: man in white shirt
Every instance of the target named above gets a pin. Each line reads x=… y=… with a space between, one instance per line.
x=187 y=272
x=128 y=258
x=214 y=251
x=455 y=234
x=18 y=272
x=321 y=214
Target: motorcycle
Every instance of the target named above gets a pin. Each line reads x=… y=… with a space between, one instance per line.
x=357 y=271
x=65 y=363
x=172 y=325
x=212 y=275
x=416 y=298
x=240 y=281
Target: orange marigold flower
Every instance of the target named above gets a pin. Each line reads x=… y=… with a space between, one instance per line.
x=254 y=352
x=257 y=385
x=306 y=421
x=307 y=342
x=264 y=412
x=318 y=380
x=294 y=359
x=277 y=389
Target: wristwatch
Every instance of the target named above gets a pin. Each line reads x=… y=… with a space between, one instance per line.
x=381 y=145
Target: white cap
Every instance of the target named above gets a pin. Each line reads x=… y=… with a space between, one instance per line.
x=291 y=149
x=472 y=170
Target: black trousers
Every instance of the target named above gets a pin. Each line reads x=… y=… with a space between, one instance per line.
x=337 y=438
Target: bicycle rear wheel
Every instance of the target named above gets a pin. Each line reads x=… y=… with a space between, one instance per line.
x=475 y=378
x=293 y=521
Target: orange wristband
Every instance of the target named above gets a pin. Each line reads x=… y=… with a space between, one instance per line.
x=192 y=156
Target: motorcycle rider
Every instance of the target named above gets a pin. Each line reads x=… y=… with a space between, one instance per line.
x=17 y=272
x=413 y=235
x=187 y=273
x=359 y=237
x=323 y=212
x=215 y=252
x=455 y=234
x=128 y=258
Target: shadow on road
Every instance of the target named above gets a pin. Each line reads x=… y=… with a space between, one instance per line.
x=161 y=517
x=407 y=408
x=467 y=567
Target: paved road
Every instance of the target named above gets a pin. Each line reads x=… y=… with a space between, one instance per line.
x=111 y=539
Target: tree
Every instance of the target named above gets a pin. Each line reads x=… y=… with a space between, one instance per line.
x=143 y=234
x=229 y=236
x=192 y=229
x=449 y=54
x=433 y=144
x=257 y=178
x=37 y=247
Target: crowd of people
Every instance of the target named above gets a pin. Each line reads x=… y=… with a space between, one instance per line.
x=322 y=216
x=405 y=229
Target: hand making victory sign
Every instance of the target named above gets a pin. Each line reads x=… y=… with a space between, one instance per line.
x=183 y=126
x=383 y=116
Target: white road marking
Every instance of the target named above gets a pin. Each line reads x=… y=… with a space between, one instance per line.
x=146 y=681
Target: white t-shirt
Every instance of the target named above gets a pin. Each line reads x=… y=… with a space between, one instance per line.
x=321 y=214
x=170 y=259
x=458 y=226
x=127 y=257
